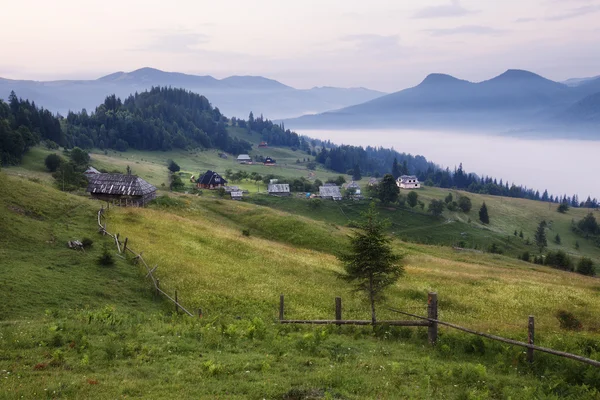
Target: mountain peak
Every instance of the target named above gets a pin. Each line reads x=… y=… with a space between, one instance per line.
x=518 y=74
x=436 y=79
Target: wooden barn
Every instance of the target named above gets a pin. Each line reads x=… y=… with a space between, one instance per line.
x=211 y=180
x=269 y=161
x=122 y=190
x=329 y=191
x=279 y=189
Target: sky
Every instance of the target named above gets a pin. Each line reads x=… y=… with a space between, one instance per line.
x=386 y=45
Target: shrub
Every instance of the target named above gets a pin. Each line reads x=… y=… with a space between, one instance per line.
x=559 y=259
x=464 y=203
x=585 y=266
x=525 y=256
x=52 y=162
x=315 y=204
x=452 y=206
x=563 y=208
x=173 y=166
x=106 y=259
x=495 y=249
x=448 y=198
x=436 y=207
x=87 y=242
x=246 y=232
x=221 y=192
x=412 y=198
x=568 y=321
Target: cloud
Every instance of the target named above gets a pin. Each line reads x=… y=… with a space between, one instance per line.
x=524 y=20
x=467 y=30
x=575 y=12
x=371 y=43
x=174 y=42
x=454 y=9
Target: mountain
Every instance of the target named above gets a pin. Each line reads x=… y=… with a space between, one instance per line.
x=235 y=95
x=516 y=98
x=578 y=81
x=586 y=110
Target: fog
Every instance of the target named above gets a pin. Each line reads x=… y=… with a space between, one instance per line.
x=561 y=166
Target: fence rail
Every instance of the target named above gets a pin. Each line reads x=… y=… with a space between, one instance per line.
x=138 y=257
x=530 y=346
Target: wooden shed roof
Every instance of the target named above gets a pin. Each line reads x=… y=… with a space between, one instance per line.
x=118 y=184
x=278 y=188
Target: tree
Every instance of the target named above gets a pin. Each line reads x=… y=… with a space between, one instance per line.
x=176 y=183
x=464 y=203
x=396 y=172
x=483 y=214
x=412 y=198
x=563 y=208
x=557 y=239
x=80 y=157
x=448 y=198
x=52 y=162
x=436 y=207
x=173 y=167
x=521 y=234
x=540 y=236
x=589 y=224
x=585 y=266
x=371 y=266
x=356 y=174
x=388 y=191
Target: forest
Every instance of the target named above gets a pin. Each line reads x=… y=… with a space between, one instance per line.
x=23 y=125
x=158 y=119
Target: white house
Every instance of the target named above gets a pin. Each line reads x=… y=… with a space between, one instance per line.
x=408 y=182
x=244 y=159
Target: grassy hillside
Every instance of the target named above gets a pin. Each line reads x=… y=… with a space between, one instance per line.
x=70 y=328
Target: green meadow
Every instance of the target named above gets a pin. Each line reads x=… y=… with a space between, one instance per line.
x=70 y=328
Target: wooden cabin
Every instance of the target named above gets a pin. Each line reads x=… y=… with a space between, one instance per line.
x=244 y=159
x=279 y=189
x=211 y=180
x=269 y=161
x=122 y=190
x=329 y=191
x=263 y=144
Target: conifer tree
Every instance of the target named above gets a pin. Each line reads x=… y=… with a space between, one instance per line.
x=540 y=236
x=483 y=214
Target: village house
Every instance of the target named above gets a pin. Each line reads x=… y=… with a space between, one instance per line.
x=244 y=159
x=329 y=191
x=353 y=185
x=408 y=182
x=263 y=144
x=373 y=182
x=269 y=161
x=210 y=180
x=236 y=195
x=91 y=171
x=122 y=190
x=279 y=189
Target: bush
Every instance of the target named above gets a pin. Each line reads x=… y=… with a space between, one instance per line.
x=448 y=198
x=315 y=204
x=568 y=321
x=452 y=206
x=246 y=232
x=173 y=166
x=106 y=259
x=585 y=266
x=412 y=198
x=495 y=249
x=464 y=203
x=52 y=162
x=436 y=207
x=559 y=259
x=563 y=208
x=525 y=256
x=87 y=242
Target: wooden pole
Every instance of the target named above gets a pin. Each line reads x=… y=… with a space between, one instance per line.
x=176 y=303
x=157 y=287
x=199 y=313
x=281 y=305
x=338 y=308
x=530 y=338
x=125 y=246
x=432 y=313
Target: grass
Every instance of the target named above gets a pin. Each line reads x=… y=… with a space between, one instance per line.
x=70 y=328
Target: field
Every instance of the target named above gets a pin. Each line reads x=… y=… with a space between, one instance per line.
x=70 y=328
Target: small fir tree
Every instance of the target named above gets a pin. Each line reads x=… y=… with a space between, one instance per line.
x=371 y=266
x=483 y=214
x=540 y=237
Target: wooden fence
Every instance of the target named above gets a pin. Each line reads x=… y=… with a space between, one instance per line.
x=432 y=322
x=123 y=248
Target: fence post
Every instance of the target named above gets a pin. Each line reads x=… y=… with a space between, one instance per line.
x=199 y=313
x=432 y=313
x=530 y=338
x=338 y=308
x=176 y=303
x=281 y=304
x=125 y=247
x=157 y=287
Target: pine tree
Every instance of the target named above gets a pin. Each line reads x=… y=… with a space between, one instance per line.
x=540 y=236
x=483 y=214
x=557 y=239
x=388 y=190
x=396 y=169
x=370 y=265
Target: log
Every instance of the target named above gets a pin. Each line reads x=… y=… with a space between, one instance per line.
x=353 y=322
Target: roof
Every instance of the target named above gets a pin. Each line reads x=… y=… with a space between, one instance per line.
x=352 y=185
x=244 y=157
x=237 y=194
x=329 y=191
x=91 y=170
x=211 y=178
x=403 y=177
x=279 y=188
x=118 y=184
x=232 y=189
x=269 y=160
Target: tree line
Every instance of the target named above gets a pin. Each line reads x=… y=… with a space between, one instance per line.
x=22 y=126
x=159 y=119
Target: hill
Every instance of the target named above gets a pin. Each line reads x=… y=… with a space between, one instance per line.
x=71 y=328
x=514 y=99
x=586 y=110
x=235 y=95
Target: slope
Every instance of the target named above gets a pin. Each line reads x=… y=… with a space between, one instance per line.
x=123 y=350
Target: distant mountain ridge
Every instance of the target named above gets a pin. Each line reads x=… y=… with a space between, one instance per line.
x=234 y=95
x=513 y=99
